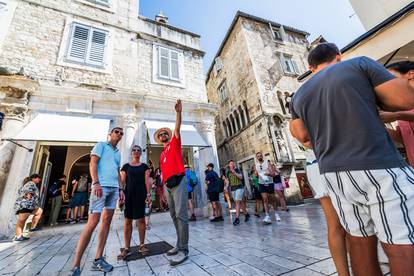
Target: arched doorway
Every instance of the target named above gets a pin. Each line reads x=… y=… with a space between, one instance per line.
x=80 y=166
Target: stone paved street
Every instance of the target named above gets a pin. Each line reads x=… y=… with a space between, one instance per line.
x=295 y=246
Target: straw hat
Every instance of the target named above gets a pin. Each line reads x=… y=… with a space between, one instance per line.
x=157 y=139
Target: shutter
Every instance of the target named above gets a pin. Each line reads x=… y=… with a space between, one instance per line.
x=164 y=69
x=174 y=65
x=79 y=43
x=218 y=64
x=97 y=47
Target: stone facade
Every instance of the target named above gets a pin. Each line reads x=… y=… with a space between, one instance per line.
x=125 y=88
x=258 y=63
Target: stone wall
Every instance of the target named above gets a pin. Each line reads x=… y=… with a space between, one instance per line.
x=38 y=35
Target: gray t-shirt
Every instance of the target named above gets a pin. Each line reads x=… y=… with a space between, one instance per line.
x=339 y=108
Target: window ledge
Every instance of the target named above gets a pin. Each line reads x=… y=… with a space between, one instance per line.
x=103 y=7
x=82 y=66
x=174 y=83
x=289 y=74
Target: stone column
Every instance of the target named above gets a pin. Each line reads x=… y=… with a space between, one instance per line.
x=14 y=95
x=130 y=123
x=203 y=157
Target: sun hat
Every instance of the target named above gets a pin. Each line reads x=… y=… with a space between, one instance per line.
x=157 y=139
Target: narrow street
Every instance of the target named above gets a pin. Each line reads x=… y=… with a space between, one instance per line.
x=295 y=246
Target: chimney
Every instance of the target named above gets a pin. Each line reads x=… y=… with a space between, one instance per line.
x=161 y=18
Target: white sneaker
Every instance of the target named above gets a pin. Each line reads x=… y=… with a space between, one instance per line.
x=277 y=217
x=267 y=220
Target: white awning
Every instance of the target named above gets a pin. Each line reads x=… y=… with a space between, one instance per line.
x=189 y=134
x=57 y=128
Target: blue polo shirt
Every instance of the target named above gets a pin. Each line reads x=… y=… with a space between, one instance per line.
x=108 y=165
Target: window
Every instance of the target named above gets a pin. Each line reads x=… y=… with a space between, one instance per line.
x=87 y=45
x=222 y=91
x=101 y=2
x=277 y=34
x=168 y=64
x=289 y=65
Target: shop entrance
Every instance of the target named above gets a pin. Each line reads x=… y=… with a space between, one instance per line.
x=52 y=160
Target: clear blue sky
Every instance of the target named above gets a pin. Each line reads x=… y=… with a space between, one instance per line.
x=334 y=19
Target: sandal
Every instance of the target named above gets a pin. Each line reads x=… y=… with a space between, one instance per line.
x=143 y=250
x=125 y=252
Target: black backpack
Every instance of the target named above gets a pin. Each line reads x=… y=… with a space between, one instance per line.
x=53 y=190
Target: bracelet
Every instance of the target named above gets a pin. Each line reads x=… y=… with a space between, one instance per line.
x=148 y=195
x=96 y=182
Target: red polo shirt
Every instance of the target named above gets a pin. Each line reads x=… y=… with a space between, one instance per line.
x=171 y=159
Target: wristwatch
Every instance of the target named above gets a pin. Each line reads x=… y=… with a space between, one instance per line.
x=96 y=182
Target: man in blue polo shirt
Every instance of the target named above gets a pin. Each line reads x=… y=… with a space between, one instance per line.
x=104 y=169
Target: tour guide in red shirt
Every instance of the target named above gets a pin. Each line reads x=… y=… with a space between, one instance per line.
x=173 y=176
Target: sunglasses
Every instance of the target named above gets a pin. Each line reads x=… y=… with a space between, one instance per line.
x=163 y=134
x=118 y=132
x=137 y=150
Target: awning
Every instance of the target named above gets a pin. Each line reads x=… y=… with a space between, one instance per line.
x=189 y=134
x=57 y=128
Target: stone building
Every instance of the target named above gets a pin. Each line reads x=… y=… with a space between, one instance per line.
x=251 y=79
x=71 y=70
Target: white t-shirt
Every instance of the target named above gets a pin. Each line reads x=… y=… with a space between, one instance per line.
x=262 y=169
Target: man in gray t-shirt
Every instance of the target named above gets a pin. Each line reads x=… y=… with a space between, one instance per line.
x=371 y=186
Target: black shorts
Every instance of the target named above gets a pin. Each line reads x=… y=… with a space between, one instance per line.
x=213 y=196
x=257 y=194
x=190 y=195
x=268 y=188
x=24 y=211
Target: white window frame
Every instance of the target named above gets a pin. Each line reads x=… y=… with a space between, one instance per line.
x=222 y=91
x=168 y=79
x=101 y=2
x=289 y=65
x=64 y=47
x=87 y=61
x=170 y=59
x=110 y=6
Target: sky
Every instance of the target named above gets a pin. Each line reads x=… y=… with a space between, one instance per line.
x=334 y=19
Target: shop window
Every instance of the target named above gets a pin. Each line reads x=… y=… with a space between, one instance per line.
x=87 y=45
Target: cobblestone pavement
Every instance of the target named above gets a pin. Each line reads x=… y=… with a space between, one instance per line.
x=296 y=246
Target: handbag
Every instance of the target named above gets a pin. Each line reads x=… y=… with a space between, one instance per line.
x=174 y=181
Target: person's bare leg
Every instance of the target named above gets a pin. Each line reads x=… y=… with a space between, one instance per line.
x=282 y=199
x=401 y=257
x=75 y=212
x=85 y=237
x=228 y=200
x=68 y=214
x=265 y=198
x=336 y=237
x=190 y=207
x=107 y=215
x=141 y=230
x=82 y=211
x=21 y=220
x=36 y=217
x=127 y=232
x=364 y=256
x=237 y=208
x=219 y=208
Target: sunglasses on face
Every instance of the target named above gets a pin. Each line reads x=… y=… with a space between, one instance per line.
x=137 y=150
x=118 y=132
x=163 y=134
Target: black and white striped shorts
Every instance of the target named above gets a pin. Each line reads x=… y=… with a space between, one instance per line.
x=375 y=202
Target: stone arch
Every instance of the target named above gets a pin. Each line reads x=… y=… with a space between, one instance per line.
x=233 y=124
x=242 y=116
x=237 y=119
x=225 y=130
x=246 y=110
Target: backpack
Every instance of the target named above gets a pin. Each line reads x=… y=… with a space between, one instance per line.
x=193 y=179
x=220 y=184
x=53 y=190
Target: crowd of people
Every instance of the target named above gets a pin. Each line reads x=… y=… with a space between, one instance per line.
x=365 y=187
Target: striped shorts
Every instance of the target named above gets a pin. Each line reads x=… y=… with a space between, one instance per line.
x=375 y=202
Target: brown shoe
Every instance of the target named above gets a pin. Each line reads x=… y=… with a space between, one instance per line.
x=125 y=252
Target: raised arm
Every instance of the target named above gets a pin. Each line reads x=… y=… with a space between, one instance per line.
x=178 y=110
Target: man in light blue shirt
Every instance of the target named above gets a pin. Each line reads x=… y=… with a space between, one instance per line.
x=104 y=169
